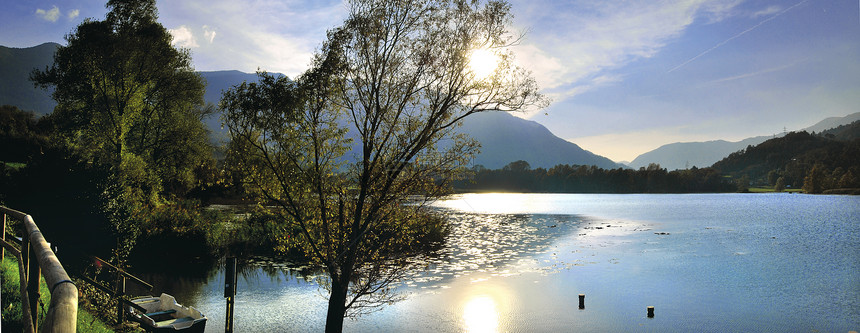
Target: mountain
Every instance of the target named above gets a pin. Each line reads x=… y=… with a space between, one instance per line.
x=685 y=155
x=15 y=86
x=216 y=83
x=682 y=155
x=833 y=122
x=504 y=138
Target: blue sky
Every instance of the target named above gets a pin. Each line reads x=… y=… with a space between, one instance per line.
x=625 y=76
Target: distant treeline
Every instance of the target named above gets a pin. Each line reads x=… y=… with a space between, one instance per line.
x=827 y=162
x=520 y=177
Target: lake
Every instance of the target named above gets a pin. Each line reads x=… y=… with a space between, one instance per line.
x=517 y=262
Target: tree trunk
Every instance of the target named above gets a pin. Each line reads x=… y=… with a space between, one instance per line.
x=336 y=307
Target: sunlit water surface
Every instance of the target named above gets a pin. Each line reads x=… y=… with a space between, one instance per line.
x=516 y=262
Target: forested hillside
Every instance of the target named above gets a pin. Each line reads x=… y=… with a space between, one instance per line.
x=817 y=162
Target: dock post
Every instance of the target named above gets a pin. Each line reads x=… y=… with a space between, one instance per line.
x=120 y=293
x=650 y=312
x=230 y=275
x=581 y=301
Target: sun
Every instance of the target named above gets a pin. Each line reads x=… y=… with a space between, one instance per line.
x=480 y=315
x=483 y=63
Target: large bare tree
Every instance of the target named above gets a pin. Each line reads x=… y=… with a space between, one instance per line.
x=343 y=148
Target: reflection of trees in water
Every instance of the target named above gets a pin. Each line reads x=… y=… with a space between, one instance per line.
x=489 y=242
x=484 y=243
x=276 y=270
x=476 y=243
x=185 y=283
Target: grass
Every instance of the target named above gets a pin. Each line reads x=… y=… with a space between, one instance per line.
x=770 y=189
x=11 y=303
x=14 y=165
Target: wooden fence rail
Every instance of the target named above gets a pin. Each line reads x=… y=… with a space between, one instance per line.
x=63 y=310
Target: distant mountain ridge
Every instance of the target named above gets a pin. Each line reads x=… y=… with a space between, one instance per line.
x=504 y=137
x=15 y=85
x=682 y=155
x=216 y=83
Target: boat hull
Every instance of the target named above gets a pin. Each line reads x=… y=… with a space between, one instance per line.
x=163 y=314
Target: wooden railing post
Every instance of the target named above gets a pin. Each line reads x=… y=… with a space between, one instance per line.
x=38 y=259
x=33 y=279
x=25 y=254
x=63 y=310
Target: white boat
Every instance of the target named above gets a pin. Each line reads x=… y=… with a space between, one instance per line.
x=163 y=314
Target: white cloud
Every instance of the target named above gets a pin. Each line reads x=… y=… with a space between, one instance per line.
x=724 y=42
x=274 y=35
x=756 y=73
x=209 y=33
x=50 y=15
x=183 y=37
x=572 y=48
x=767 y=11
x=720 y=10
x=73 y=14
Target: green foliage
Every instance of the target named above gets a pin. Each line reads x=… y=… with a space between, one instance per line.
x=779 y=186
x=92 y=324
x=66 y=198
x=743 y=184
x=814 y=181
x=10 y=294
x=263 y=230
x=129 y=123
x=19 y=134
x=127 y=98
x=174 y=228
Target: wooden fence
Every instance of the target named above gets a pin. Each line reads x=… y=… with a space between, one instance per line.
x=63 y=310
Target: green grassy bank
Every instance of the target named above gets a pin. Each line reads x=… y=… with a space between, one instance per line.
x=11 y=303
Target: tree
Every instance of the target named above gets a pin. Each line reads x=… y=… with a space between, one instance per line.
x=780 y=185
x=847 y=180
x=813 y=182
x=519 y=166
x=743 y=184
x=128 y=99
x=340 y=149
x=130 y=102
x=20 y=135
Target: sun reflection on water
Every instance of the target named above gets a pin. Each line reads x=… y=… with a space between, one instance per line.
x=480 y=314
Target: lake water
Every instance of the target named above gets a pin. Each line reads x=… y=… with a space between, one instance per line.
x=516 y=262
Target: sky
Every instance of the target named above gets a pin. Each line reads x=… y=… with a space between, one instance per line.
x=625 y=76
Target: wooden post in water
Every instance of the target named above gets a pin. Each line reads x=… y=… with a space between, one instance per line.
x=582 y=301
x=230 y=275
x=650 y=312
